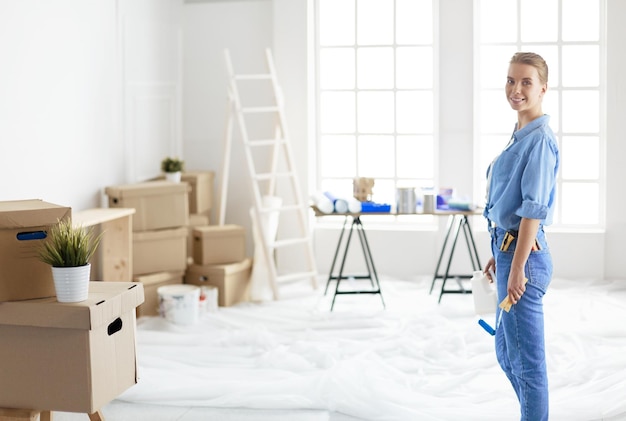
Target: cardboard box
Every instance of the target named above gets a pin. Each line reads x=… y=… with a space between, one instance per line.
x=157 y=204
x=195 y=220
x=201 y=195
x=201 y=190
x=23 y=226
x=160 y=251
x=232 y=280
x=151 y=282
x=218 y=244
x=69 y=357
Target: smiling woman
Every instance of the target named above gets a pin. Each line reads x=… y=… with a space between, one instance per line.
x=574 y=101
x=521 y=189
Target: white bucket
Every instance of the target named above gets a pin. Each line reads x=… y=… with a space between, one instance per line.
x=484 y=293
x=208 y=299
x=179 y=303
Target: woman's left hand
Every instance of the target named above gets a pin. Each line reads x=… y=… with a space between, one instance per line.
x=490 y=268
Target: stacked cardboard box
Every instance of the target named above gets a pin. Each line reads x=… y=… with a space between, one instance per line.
x=160 y=231
x=195 y=220
x=69 y=357
x=219 y=260
x=23 y=226
x=231 y=279
x=166 y=214
x=200 y=201
x=201 y=194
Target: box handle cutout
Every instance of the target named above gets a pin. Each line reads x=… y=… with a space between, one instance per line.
x=31 y=235
x=115 y=326
x=204 y=278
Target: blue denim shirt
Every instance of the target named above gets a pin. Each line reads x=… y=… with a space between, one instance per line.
x=522 y=180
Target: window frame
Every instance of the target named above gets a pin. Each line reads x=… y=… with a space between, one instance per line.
x=405 y=220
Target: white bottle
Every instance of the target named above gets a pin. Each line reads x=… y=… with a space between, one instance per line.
x=484 y=293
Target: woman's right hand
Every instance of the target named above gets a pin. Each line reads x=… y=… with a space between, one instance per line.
x=490 y=268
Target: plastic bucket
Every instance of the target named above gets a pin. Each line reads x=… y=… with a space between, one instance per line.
x=179 y=304
x=208 y=299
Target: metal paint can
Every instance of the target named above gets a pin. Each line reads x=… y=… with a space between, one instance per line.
x=406 y=200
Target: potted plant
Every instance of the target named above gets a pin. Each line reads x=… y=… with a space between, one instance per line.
x=172 y=167
x=68 y=250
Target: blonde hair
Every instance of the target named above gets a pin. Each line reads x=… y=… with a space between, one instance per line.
x=534 y=60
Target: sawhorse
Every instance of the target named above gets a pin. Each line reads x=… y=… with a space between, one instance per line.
x=456 y=222
x=369 y=262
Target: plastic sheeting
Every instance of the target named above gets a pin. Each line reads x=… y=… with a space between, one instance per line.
x=416 y=360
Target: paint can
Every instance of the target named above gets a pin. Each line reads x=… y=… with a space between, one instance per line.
x=406 y=201
x=179 y=303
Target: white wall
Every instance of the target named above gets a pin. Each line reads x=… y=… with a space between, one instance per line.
x=59 y=97
x=614 y=262
x=89 y=96
x=150 y=53
x=245 y=29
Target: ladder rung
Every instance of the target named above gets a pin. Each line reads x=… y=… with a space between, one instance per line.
x=294 y=276
x=250 y=110
x=253 y=76
x=268 y=176
x=289 y=242
x=266 y=142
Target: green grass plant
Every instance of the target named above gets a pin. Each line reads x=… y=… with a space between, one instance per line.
x=68 y=246
x=172 y=165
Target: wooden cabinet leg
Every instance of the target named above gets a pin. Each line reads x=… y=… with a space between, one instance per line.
x=96 y=416
x=45 y=416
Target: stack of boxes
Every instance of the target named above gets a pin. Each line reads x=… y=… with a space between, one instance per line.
x=160 y=231
x=173 y=241
x=219 y=260
x=87 y=347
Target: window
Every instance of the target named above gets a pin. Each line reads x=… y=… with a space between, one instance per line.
x=375 y=95
x=569 y=35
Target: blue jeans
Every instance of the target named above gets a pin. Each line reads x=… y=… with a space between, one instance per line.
x=520 y=346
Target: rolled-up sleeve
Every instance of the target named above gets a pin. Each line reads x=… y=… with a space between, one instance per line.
x=538 y=181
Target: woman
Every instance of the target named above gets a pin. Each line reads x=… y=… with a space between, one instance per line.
x=520 y=202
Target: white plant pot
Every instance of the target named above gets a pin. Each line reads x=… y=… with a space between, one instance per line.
x=71 y=283
x=173 y=176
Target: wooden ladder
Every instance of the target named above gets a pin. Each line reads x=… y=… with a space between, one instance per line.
x=270 y=166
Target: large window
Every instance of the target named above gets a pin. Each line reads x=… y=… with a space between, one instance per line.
x=569 y=34
x=376 y=95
